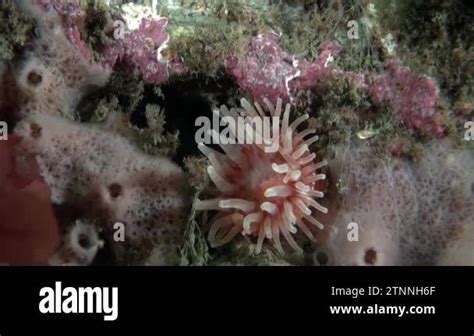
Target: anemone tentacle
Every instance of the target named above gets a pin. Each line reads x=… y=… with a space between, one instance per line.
x=262 y=194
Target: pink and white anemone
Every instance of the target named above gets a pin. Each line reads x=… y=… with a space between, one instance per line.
x=265 y=194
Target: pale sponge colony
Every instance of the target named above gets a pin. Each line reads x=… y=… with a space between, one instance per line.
x=407 y=213
x=54 y=76
x=79 y=245
x=108 y=195
x=101 y=175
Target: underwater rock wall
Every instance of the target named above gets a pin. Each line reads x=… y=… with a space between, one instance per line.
x=102 y=98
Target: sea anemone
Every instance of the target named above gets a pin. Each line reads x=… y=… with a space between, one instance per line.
x=263 y=194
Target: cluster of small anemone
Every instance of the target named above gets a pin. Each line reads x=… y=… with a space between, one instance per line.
x=263 y=194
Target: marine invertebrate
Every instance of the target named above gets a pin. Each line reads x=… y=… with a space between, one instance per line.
x=71 y=17
x=58 y=72
x=264 y=194
x=407 y=213
x=79 y=245
x=104 y=177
